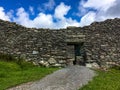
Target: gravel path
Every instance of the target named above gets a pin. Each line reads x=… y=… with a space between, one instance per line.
x=70 y=78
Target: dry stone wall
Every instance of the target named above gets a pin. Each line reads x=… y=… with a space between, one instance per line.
x=104 y=41
x=49 y=47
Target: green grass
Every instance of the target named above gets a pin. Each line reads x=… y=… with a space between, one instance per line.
x=14 y=73
x=105 y=81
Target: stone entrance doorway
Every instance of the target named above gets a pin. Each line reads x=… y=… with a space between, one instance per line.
x=76 y=54
x=75 y=49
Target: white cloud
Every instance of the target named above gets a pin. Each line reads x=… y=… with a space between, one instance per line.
x=43 y=21
x=81 y=10
x=49 y=5
x=88 y=18
x=31 y=9
x=114 y=11
x=62 y=22
x=71 y=22
x=99 y=4
x=65 y=23
x=10 y=14
x=61 y=10
x=3 y=15
x=22 y=18
x=104 y=10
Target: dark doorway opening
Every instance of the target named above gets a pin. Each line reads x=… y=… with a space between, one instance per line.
x=79 y=53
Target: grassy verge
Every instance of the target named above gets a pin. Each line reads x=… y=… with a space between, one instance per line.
x=105 y=81
x=14 y=73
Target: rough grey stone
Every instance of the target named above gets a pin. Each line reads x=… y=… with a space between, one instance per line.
x=52 y=60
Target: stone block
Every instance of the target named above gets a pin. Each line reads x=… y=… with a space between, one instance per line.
x=52 y=60
x=43 y=63
x=35 y=52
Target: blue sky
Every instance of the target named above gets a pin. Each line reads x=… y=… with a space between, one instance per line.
x=58 y=13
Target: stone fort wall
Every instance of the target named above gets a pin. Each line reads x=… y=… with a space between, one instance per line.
x=101 y=43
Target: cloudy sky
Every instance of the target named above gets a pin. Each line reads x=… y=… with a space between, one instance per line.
x=58 y=13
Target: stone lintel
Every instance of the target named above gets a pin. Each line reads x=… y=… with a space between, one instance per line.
x=76 y=36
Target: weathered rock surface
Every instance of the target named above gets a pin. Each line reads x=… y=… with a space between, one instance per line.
x=70 y=78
